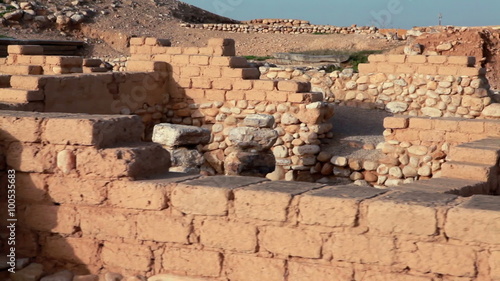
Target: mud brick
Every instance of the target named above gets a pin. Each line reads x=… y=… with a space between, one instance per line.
x=366 y=68
x=190 y=71
x=231 y=236
x=233 y=62
x=471 y=126
x=405 y=69
x=427 y=69
x=195 y=94
x=243 y=73
x=305 y=97
x=268 y=201
x=32 y=188
x=377 y=58
x=104 y=223
x=468 y=171
x=57 y=219
x=175 y=50
x=475 y=153
x=25 y=49
x=201 y=83
x=290 y=241
x=96 y=130
x=235 y=95
x=406 y=213
x=243 y=84
x=333 y=206
x=462 y=60
x=249 y=268
x=264 y=85
x=298 y=271
x=199 y=60
x=256 y=95
x=222 y=84
x=386 y=68
x=417 y=59
x=447 y=70
x=471 y=71
x=160 y=227
x=212 y=194
x=191 y=50
x=447 y=125
x=82 y=192
x=294 y=86
x=123 y=194
x=189 y=260
x=212 y=72
x=31 y=157
x=149 y=66
x=215 y=95
x=181 y=59
x=421 y=123
x=363 y=249
x=396 y=122
x=134 y=161
x=70 y=249
x=396 y=58
x=277 y=96
x=138 y=257
x=137 y=41
x=20 y=126
x=27 y=82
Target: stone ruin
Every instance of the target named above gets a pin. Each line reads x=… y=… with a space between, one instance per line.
x=95 y=196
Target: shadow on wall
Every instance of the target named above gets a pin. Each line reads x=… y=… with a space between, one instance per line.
x=40 y=217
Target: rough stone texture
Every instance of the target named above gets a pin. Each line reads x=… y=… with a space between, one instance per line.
x=259 y=121
x=249 y=138
x=180 y=135
x=249 y=163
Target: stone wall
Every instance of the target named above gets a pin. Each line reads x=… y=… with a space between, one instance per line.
x=435 y=86
x=240 y=228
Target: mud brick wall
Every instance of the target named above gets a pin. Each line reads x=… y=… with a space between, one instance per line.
x=210 y=87
x=29 y=60
x=421 y=147
x=435 y=86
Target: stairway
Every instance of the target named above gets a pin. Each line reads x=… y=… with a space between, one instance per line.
x=23 y=92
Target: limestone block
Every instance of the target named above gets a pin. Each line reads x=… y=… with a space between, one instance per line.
x=248 y=138
x=180 y=135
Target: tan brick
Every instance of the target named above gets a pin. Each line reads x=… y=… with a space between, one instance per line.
x=242 y=73
x=105 y=223
x=471 y=126
x=190 y=71
x=447 y=70
x=211 y=72
x=293 y=86
x=462 y=61
x=406 y=213
x=386 y=68
x=290 y=241
x=196 y=94
x=22 y=59
x=137 y=41
x=222 y=84
x=417 y=59
x=159 y=227
x=201 y=83
x=476 y=220
x=233 y=62
x=454 y=137
x=32 y=187
x=377 y=58
x=363 y=249
x=211 y=193
x=437 y=59
x=37 y=60
x=191 y=50
x=447 y=125
x=180 y=59
x=264 y=85
x=243 y=84
x=492 y=128
x=230 y=236
x=160 y=50
x=366 y=68
x=162 y=57
x=433 y=257
x=235 y=95
x=433 y=136
x=20 y=127
x=277 y=96
x=376 y=275
x=268 y=201
x=127 y=256
x=396 y=58
x=428 y=69
x=144 y=195
x=396 y=122
x=70 y=249
x=57 y=219
x=495 y=265
x=25 y=49
x=31 y=157
x=407 y=135
x=470 y=71
x=175 y=50
x=250 y=268
x=189 y=260
x=84 y=192
x=333 y=206
x=208 y=51
x=27 y=82
x=305 y=97
x=298 y=271
x=406 y=69
x=149 y=66
x=421 y=123
x=199 y=60
x=256 y=95
x=215 y=95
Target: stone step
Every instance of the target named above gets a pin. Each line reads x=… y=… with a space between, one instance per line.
x=459 y=187
x=24 y=106
x=10 y=95
x=94 y=69
x=21 y=69
x=468 y=171
x=136 y=161
x=27 y=82
x=475 y=153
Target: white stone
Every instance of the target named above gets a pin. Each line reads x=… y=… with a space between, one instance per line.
x=259 y=121
x=424 y=171
x=419 y=150
x=339 y=161
x=396 y=107
x=175 y=135
x=396 y=172
x=306 y=150
x=431 y=112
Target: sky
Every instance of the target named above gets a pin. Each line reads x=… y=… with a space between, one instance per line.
x=381 y=13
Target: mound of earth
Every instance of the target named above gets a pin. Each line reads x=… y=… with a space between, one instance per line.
x=482 y=43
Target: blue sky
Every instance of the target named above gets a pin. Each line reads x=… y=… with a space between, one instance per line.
x=381 y=13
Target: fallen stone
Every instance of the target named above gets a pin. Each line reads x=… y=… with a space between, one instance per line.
x=431 y=112
x=184 y=157
x=259 y=121
x=64 y=275
x=248 y=138
x=492 y=110
x=396 y=107
x=444 y=47
x=32 y=272
x=180 y=135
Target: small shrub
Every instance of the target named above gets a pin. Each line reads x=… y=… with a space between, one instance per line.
x=257 y=58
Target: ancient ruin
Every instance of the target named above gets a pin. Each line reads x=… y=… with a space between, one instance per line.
x=160 y=170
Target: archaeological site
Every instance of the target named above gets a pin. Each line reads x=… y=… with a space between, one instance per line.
x=128 y=157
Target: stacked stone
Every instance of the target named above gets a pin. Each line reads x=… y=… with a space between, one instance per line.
x=285 y=28
x=251 y=154
x=116 y=64
x=183 y=143
x=292 y=22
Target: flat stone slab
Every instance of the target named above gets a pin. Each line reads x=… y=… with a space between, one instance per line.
x=180 y=135
x=483 y=202
x=420 y=198
x=230 y=182
x=348 y=192
x=293 y=188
